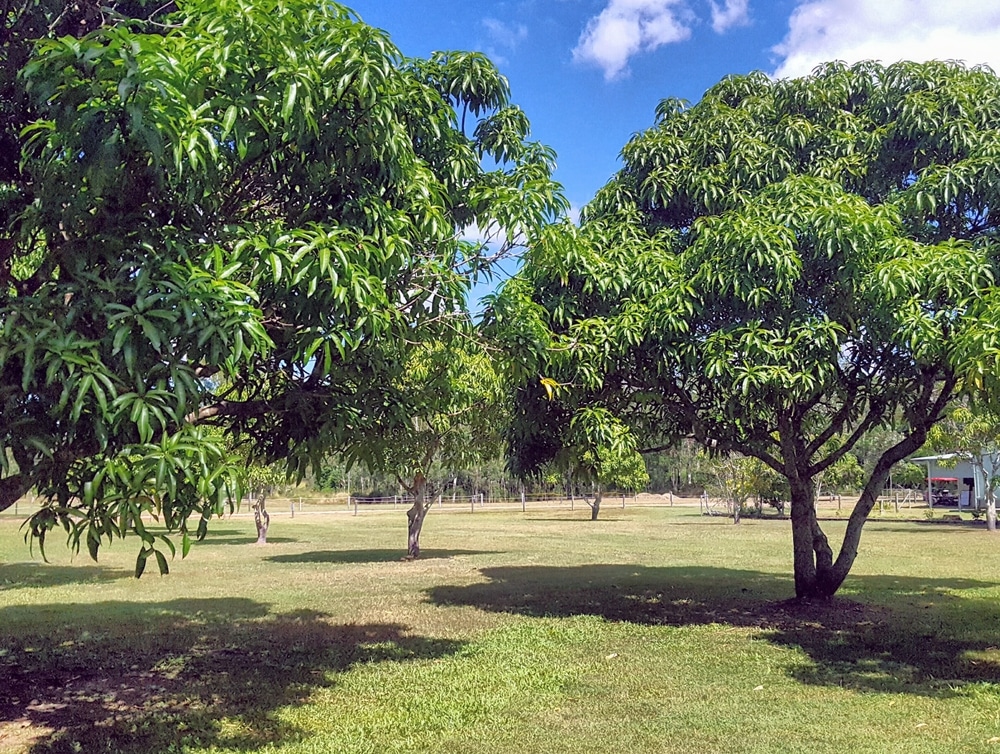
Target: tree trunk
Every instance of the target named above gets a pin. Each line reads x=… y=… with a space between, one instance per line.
x=261 y=518
x=815 y=576
x=991 y=509
x=595 y=507
x=415 y=516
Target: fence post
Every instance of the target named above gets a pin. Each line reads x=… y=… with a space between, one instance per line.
x=355 y=505
x=522 y=500
x=623 y=500
x=671 y=493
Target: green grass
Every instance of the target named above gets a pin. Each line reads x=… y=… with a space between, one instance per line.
x=652 y=630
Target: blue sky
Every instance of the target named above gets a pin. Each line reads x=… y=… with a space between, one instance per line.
x=589 y=73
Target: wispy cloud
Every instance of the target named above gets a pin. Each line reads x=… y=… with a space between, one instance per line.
x=889 y=30
x=507 y=35
x=626 y=28
x=729 y=14
x=504 y=38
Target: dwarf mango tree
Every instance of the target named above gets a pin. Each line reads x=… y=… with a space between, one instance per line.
x=781 y=268
x=456 y=411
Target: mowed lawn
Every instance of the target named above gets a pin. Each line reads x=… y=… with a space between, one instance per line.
x=651 y=630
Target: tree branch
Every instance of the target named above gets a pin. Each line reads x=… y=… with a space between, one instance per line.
x=12 y=489
x=875 y=413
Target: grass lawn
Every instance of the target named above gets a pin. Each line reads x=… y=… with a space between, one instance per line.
x=651 y=630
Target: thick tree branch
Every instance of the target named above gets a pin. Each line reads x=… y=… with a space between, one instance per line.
x=875 y=413
x=12 y=489
x=235 y=409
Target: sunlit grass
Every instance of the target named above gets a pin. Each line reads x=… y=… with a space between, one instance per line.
x=651 y=630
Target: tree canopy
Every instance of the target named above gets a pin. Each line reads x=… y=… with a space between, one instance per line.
x=778 y=270
x=246 y=216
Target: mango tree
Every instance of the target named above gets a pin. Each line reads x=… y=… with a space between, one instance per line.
x=780 y=269
x=456 y=412
x=246 y=216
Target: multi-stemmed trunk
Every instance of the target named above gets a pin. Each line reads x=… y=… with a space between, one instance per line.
x=818 y=575
x=815 y=574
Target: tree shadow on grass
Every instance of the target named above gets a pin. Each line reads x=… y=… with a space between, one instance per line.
x=911 y=526
x=368 y=556
x=246 y=539
x=36 y=575
x=911 y=635
x=147 y=677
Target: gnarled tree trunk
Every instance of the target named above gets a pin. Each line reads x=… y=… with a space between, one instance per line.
x=415 y=517
x=815 y=576
x=261 y=517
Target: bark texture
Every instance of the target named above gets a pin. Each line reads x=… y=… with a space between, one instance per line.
x=595 y=507
x=415 y=517
x=261 y=518
x=12 y=489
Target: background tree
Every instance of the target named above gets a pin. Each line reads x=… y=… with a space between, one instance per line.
x=784 y=264
x=973 y=432
x=586 y=444
x=455 y=414
x=260 y=481
x=266 y=192
x=739 y=479
x=601 y=452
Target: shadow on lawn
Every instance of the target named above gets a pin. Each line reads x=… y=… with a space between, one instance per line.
x=146 y=677
x=21 y=575
x=368 y=556
x=247 y=539
x=913 y=635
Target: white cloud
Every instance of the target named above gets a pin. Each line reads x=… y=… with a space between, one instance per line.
x=890 y=30
x=732 y=13
x=627 y=27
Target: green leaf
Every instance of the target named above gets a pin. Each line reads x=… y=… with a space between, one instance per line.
x=289 y=101
x=227 y=122
x=140 y=562
x=161 y=562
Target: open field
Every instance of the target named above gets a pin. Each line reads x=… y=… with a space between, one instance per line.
x=651 y=630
